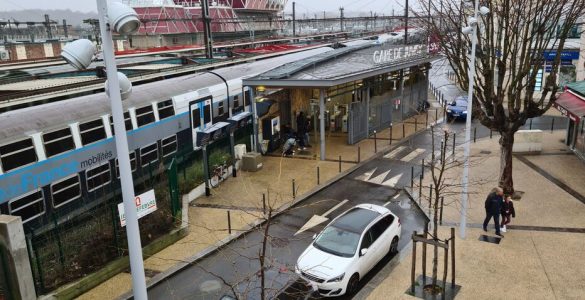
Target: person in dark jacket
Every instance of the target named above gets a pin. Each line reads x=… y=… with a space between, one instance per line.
x=301 y=128
x=507 y=211
x=493 y=209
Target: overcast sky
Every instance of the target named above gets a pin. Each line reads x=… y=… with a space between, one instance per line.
x=308 y=7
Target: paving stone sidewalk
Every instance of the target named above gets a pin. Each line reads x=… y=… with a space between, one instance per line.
x=541 y=255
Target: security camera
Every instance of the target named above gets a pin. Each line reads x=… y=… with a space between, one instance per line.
x=467 y=30
x=472 y=21
x=123 y=18
x=484 y=10
x=79 y=53
x=125 y=86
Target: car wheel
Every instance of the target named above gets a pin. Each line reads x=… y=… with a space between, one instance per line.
x=352 y=284
x=394 y=246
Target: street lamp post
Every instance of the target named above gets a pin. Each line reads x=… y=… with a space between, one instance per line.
x=472 y=28
x=124 y=20
x=132 y=230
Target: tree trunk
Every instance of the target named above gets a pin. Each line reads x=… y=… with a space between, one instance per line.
x=506 y=143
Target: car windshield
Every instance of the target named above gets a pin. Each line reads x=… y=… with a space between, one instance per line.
x=459 y=103
x=337 y=241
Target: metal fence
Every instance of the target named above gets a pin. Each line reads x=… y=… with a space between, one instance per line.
x=73 y=246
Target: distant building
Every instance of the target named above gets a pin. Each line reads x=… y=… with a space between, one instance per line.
x=180 y=22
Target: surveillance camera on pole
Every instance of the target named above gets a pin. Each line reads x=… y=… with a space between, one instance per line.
x=124 y=20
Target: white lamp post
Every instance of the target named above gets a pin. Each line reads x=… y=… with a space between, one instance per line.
x=124 y=20
x=472 y=28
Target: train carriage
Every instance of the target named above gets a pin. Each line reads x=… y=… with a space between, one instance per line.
x=53 y=157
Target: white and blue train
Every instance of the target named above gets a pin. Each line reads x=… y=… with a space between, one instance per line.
x=54 y=155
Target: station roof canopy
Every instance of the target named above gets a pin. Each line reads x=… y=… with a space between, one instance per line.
x=343 y=65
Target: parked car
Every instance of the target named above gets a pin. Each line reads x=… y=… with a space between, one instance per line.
x=457 y=109
x=348 y=248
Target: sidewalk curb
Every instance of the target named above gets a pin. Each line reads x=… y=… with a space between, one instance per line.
x=157 y=279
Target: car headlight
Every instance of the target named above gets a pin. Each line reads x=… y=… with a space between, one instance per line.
x=337 y=278
x=465 y=112
x=448 y=110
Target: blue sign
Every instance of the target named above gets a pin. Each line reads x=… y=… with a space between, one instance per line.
x=565 y=55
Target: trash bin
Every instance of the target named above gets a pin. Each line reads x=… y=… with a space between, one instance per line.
x=251 y=161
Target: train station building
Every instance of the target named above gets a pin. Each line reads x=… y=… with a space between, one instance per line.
x=347 y=94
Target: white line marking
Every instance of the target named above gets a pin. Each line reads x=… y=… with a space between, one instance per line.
x=335 y=207
x=413 y=154
x=394 y=152
x=380 y=178
x=392 y=181
x=393 y=198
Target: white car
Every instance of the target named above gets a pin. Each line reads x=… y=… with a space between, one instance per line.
x=348 y=248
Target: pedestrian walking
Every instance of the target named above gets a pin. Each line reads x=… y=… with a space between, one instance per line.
x=507 y=211
x=493 y=209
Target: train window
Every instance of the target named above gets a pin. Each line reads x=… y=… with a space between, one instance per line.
x=92 y=131
x=144 y=115
x=17 y=154
x=148 y=154
x=236 y=101
x=66 y=191
x=165 y=109
x=59 y=141
x=169 y=145
x=28 y=207
x=127 y=122
x=196 y=118
x=220 y=109
x=246 y=98
x=206 y=114
x=97 y=177
x=132 y=164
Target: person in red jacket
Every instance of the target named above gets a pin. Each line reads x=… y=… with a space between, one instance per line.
x=507 y=211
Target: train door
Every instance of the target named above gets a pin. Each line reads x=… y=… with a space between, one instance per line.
x=200 y=116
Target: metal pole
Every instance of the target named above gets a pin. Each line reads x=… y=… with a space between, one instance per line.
x=552 y=125
x=206 y=171
x=453 y=145
x=264 y=203
x=294 y=17
x=390 y=134
x=207 y=39
x=229 y=220
x=233 y=152
x=465 y=177
x=340 y=164
x=294 y=192
x=318 y=176
x=411 y=176
x=359 y=154
x=132 y=229
x=322 y=122
x=375 y=143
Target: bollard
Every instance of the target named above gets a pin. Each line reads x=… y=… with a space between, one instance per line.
x=420 y=178
x=390 y=134
x=491 y=133
x=453 y=145
x=474 y=133
x=229 y=222
x=264 y=203
x=430 y=195
x=552 y=125
x=318 y=177
x=427 y=119
x=530 y=126
x=411 y=177
x=422 y=168
x=403 y=130
x=415 y=124
x=375 y=143
x=340 y=164
x=441 y=155
x=436 y=115
x=294 y=192
x=359 y=154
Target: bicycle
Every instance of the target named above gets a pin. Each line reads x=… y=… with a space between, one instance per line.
x=218 y=174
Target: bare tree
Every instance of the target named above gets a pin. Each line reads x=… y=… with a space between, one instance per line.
x=512 y=40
